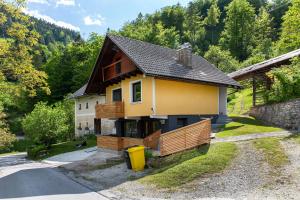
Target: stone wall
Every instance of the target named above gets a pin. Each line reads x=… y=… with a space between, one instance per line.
x=286 y=114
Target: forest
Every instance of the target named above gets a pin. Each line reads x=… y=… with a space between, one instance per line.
x=41 y=64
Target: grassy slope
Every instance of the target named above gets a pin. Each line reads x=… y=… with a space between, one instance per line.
x=242 y=125
x=242 y=102
x=189 y=165
x=273 y=152
x=69 y=146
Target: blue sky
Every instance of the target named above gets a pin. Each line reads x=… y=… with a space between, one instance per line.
x=89 y=16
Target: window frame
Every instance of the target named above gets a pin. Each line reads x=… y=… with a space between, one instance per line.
x=112 y=94
x=131 y=91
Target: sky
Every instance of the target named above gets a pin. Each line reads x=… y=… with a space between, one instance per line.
x=87 y=16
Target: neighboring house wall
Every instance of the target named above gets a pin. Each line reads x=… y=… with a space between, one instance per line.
x=286 y=114
x=166 y=97
x=86 y=115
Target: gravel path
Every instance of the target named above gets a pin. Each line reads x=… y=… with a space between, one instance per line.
x=243 y=177
x=252 y=136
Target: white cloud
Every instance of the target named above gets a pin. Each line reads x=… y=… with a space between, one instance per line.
x=37 y=14
x=97 y=21
x=65 y=2
x=38 y=1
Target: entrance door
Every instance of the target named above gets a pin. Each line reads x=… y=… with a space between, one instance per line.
x=97 y=126
x=117 y=95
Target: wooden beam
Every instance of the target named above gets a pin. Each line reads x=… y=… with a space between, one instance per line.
x=254 y=84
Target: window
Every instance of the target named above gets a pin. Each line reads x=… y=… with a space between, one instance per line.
x=79 y=126
x=181 y=122
x=97 y=102
x=136 y=88
x=117 y=95
x=87 y=105
x=131 y=129
x=79 y=107
x=118 y=68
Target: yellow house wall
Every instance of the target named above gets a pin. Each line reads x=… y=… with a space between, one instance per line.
x=182 y=98
x=142 y=108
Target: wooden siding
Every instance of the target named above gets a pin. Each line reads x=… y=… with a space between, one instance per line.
x=121 y=143
x=110 y=110
x=109 y=71
x=185 y=138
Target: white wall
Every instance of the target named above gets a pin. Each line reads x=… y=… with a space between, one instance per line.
x=223 y=101
x=85 y=116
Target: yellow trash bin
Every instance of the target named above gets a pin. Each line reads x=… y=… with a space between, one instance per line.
x=137 y=157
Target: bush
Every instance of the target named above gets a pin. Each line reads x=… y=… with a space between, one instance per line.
x=6 y=140
x=286 y=83
x=45 y=124
x=36 y=151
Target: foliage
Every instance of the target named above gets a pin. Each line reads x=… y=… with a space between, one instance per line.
x=221 y=59
x=71 y=68
x=238 y=30
x=45 y=124
x=286 y=83
x=217 y=158
x=290 y=34
x=16 y=58
x=242 y=125
x=6 y=140
x=35 y=151
x=212 y=19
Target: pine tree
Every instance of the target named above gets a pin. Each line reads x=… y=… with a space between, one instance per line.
x=262 y=36
x=212 y=19
x=238 y=30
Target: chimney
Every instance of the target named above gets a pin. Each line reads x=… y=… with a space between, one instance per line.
x=184 y=55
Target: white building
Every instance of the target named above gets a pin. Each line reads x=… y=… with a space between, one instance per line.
x=85 y=121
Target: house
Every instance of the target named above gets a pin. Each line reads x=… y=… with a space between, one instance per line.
x=85 y=118
x=150 y=88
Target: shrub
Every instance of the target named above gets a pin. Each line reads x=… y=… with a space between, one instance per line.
x=45 y=124
x=6 y=140
x=35 y=151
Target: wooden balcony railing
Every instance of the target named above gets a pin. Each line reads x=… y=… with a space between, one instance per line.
x=110 y=110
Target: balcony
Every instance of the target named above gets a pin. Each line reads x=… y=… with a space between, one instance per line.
x=110 y=110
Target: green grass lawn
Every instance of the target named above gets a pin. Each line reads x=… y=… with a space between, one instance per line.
x=297 y=138
x=273 y=152
x=181 y=168
x=69 y=146
x=242 y=125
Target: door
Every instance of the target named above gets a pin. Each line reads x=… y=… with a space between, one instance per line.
x=97 y=126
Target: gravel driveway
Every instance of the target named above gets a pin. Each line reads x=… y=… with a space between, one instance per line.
x=249 y=177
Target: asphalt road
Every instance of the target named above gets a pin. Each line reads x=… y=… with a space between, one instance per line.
x=23 y=179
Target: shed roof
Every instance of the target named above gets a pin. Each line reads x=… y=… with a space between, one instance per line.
x=264 y=66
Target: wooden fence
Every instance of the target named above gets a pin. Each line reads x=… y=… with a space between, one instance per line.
x=185 y=138
x=120 y=143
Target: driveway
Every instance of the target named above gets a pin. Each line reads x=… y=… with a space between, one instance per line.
x=24 y=179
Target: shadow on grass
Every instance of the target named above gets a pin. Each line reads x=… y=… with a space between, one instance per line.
x=223 y=128
x=249 y=121
x=167 y=162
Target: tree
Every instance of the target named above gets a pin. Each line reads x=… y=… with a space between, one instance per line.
x=212 y=19
x=16 y=58
x=194 y=29
x=221 y=59
x=239 y=23
x=45 y=124
x=262 y=36
x=290 y=34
